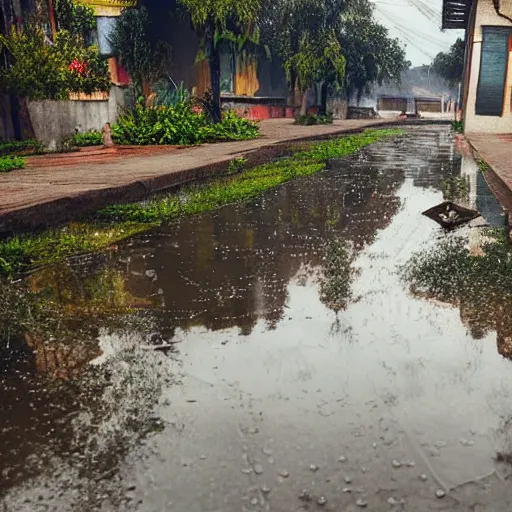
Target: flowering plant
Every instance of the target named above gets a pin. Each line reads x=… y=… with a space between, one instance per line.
x=78 y=67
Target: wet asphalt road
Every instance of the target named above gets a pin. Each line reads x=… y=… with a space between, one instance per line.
x=301 y=372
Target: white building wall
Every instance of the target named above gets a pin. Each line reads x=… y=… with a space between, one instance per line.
x=486 y=15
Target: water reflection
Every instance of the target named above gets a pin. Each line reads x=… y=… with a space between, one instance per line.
x=232 y=269
x=57 y=409
x=480 y=286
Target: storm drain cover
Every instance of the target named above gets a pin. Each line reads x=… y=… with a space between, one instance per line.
x=450 y=215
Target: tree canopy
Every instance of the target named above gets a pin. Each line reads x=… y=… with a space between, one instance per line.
x=142 y=56
x=337 y=43
x=450 y=65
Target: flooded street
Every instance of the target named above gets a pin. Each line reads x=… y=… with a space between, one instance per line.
x=270 y=356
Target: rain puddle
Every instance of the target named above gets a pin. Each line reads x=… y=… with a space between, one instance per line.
x=271 y=355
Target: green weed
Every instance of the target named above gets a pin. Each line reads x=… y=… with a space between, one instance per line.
x=236 y=165
x=21 y=252
x=9 y=163
x=458 y=126
x=483 y=166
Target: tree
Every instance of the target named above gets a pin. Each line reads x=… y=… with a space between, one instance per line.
x=303 y=33
x=144 y=58
x=216 y=21
x=372 y=56
x=450 y=65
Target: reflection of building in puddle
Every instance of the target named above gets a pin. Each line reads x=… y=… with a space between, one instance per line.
x=61 y=360
x=483 y=200
x=66 y=307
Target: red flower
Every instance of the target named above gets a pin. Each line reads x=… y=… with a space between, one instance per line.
x=78 y=67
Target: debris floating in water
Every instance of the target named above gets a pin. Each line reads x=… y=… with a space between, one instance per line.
x=450 y=215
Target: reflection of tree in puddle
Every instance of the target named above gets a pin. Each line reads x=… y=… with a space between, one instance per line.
x=481 y=286
x=336 y=282
x=233 y=267
x=58 y=410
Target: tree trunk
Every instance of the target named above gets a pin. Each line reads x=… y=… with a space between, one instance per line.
x=323 y=100
x=291 y=90
x=304 y=105
x=214 y=64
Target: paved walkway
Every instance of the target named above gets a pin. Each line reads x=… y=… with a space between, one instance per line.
x=496 y=151
x=40 y=195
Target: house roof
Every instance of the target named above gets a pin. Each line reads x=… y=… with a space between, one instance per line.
x=456 y=13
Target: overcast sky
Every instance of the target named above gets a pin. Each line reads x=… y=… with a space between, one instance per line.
x=417 y=23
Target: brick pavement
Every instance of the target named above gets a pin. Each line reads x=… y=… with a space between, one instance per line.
x=496 y=151
x=40 y=195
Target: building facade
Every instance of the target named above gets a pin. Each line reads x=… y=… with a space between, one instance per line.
x=487 y=91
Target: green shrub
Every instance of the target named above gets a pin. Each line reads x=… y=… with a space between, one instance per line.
x=159 y=125
x=178 y=124
x=232 y=127
x=85 y=139
x=9 y=163
x=42 y=71
x=23 y=147
x=313 y=119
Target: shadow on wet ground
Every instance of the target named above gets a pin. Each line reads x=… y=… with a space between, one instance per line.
x=323 y=337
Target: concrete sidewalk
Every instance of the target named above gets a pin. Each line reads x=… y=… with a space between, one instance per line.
x=496 y=151
x=39 y=196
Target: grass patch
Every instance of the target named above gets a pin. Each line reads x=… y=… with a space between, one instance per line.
x=22 y=252
x=9 y=163
x=117 y=222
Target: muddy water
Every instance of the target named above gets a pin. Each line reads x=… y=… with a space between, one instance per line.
x=294 y=368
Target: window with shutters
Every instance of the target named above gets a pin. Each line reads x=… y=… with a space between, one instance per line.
x=493 y=71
